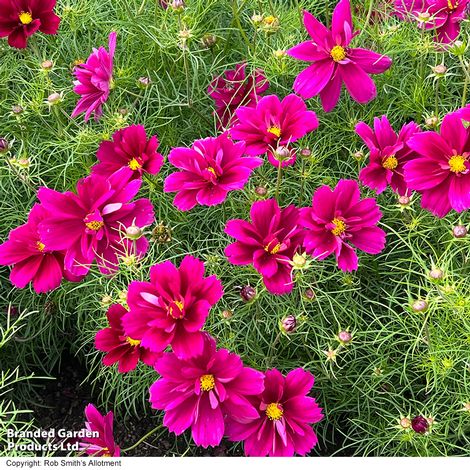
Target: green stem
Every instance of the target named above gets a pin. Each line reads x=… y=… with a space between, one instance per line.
x=466 y=71
x=299 y=9
x=279 y=180
x=302 y=182
x=236 y=16
x=438 y=86
x=153 y=431
x=369 y=12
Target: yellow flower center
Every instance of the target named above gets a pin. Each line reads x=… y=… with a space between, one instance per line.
x=390 y=163
x=211 y=170
x=26 y=17
x=273 y=250
x=275 y=130
x=40 y=246
x=340 y=227
x=133 y=342
x=338 y=53
x=457 y=164
x=94 y=225
x=176 y=309
x=270 y=19
x=451 y=5
x=274 y=411
x=207 y=382
x=134 y=165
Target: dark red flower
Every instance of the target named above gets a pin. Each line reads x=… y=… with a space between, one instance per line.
x=20 y=19
x=419 y=424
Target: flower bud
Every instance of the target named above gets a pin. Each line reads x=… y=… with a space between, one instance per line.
x=466 y=407
x=247 y=293
x=436 y=274
x=432 y=121
x=54 y=99
x=106 y=300
x=309 y=294
x=345 y=337
x=12 y=311
x=439 y=70
x=162 y=233
x=306 y=153
x=178 y=5
x=424 y=16
x=420 y=424
x=460 y=231
x=289 y=324
x=359 y=155
x=257 y=19
x=4 y=145
x=227 y=314
x=209 y=40
x=47 y=65
x=261 y=191
x=419 y=306
x=279 y=53
x=458 y=48
x=282 y=153
x=17 y=109
x=144 y=82
x=271 y=24
x=133 y=232
x=123 y=111
x=405 y=423
x=404 y=200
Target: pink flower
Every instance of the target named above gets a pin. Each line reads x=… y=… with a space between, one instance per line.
x=269 y=242
x=338 y=221
x=209 y=170
x=131 y=150
x=334 y=62
x=464 y=113
x=104 y=445
x=388 y=154
x=172 y=308
x=94 y=81
x=441 y=173
x=92 y=223
x=443 y=16
x=201 y=391
x=285 y=415
x=32 y=260
x=120 y=348
x=273 y=123
x=234 y=89
x=20 y=19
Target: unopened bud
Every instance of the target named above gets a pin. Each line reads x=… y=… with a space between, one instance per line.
x=440 y=69
x=432 y=121
x=405 y=423
x=247 y=293
x=178 y=5
x=345 y=337
x=133 y=232
x=404 y=200
x=17 y=109
x=54 y=98
x=299 y=260
x=419 y=424
x=47 y=65
x=261 y=191
x=460 y=231
x=306 y=153
x=289 y=324
x=309 y=294
x=419 y=306
x=209 y=40
x=279 y=53
x=436 y=274
x=4 y=145
x=144 y=82
x=227 y=314
x=282 y=153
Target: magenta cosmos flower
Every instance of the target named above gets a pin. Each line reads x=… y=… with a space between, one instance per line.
x=269 y=242
x=273 y=123
x=286 y=413
x=464 y=113
x=119 y=347
x=234 y=89
x=388 y=154
x=94 y=81
x=209 y=170
x=199 y=392
x=20 y=19
x=338 y=221
x=443 y=16
x=131 y=150
x=441 y=173
x=104 y=445
x=334 y=62
x=92 y=223
x=172 y=308
x=31 y=259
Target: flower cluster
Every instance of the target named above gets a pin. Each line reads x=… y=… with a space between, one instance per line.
x=442 y=17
